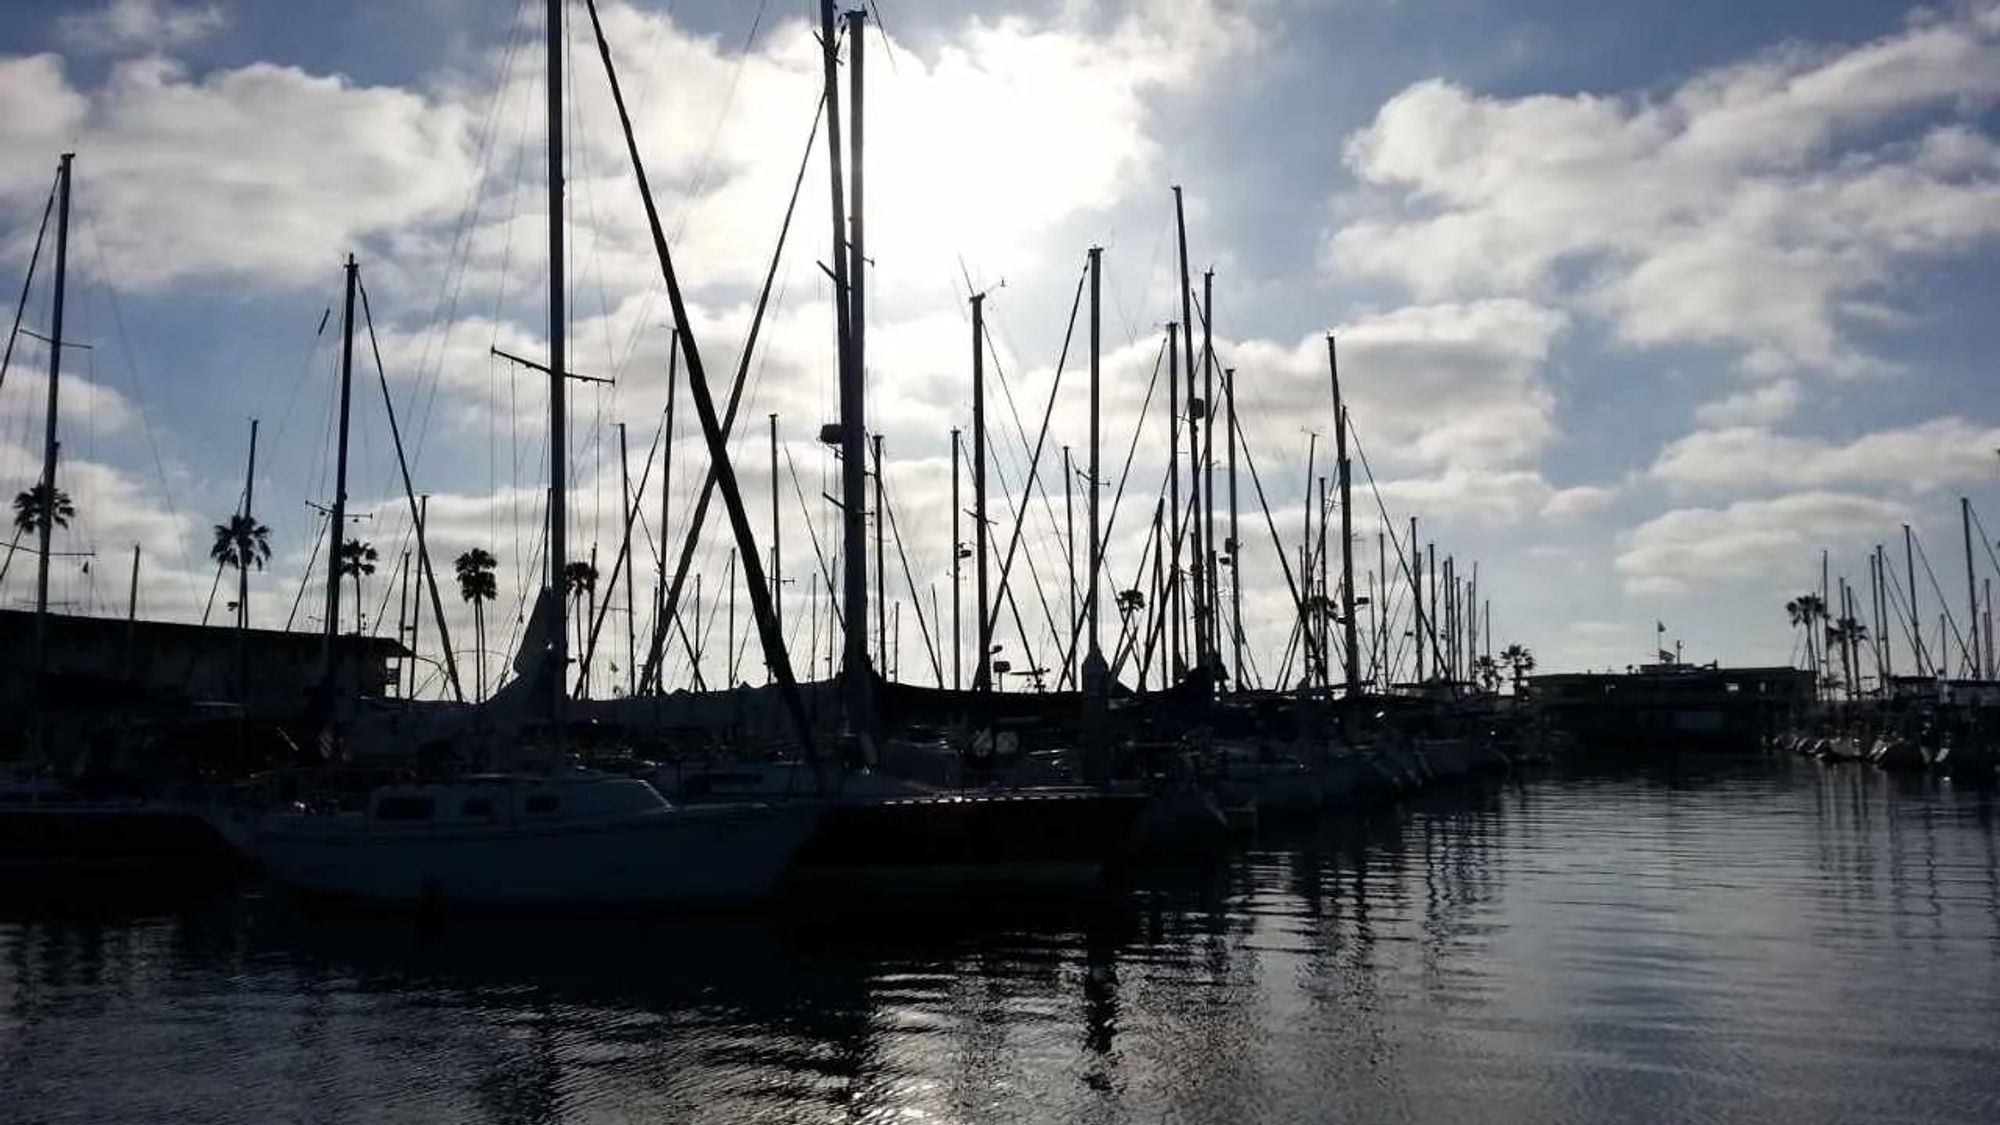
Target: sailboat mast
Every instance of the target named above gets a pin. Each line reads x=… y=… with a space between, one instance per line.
x=881 y=588
x=957 y=557
x=1374 y=632
x=1234 y=545
x=777 y=529
x=1454 y=584
x=1916 y=620
x=1069 y=560
x=1971 y=593
x=249 y=506
x=857 y=301
x=1385 y=673
x=853 y=406
x=46 y=529
x=857 y=258
x=336 y=527
x=558 y=366
x=1319 y=624
x=403 y=624
x=1471 y=611
x=1826 y=607
x=1194 y=427
x=625 y=553
x=243 y=576
x=1437 y=652
x=1160 y=605
x=416 y=602
x=1173 y=542
x=1207 y=469
x=1094 y=672
x=1885 y=651
x=1414 y=569
x=1989 y=583
x=652 y=677
x=982 y=668
x=132 y=612
x=1345 y=470
x=1306 y=557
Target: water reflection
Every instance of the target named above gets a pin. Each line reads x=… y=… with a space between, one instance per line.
x=1773 y=942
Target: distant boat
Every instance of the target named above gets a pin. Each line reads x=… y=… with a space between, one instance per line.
x=510 y=840
x=871 y=827
x=79 y=842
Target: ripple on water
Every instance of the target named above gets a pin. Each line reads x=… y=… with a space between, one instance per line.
x=1764 y=942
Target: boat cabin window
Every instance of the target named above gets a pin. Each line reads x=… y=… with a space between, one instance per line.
x=477 y=806
x=405 y=808
x=541 y=803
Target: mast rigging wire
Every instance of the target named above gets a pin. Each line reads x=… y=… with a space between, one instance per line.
x=1055 y=386
x=736 y=390
x=27 y=282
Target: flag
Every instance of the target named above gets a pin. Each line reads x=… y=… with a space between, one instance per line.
x=1659 y=626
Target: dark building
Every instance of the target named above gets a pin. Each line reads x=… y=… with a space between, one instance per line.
x=1672 y=707
x=121 y=669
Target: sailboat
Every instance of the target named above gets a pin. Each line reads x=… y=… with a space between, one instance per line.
x=565 y=837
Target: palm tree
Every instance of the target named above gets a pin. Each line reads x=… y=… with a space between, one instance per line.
x=1847 y=633
x=356 y=559
x=580 y=583
x=31 y=511
x=476 y=585
x=1520 y=660
x=1486 y=673
x=1806 y=612
x=241 y=544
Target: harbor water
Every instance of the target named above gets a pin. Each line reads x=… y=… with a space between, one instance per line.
x=1764 y=941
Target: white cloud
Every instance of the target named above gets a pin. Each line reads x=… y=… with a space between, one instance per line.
x=1493 y=496
x=270 y=172
x=1756 y=207
x=1433 y=385
x=261 y=171
x=1578 y=501
x=1916 y=458
x=141 y=26
x=38 y=112
x=1604 y=644
x=85 y=406
x=1747 y=541
x=1759 y=406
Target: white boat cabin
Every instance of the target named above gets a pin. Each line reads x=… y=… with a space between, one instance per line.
x=500 y=799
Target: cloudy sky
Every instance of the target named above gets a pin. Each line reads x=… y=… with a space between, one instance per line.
x=1639 y=310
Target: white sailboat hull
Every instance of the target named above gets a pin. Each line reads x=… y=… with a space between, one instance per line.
x=714 y=855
